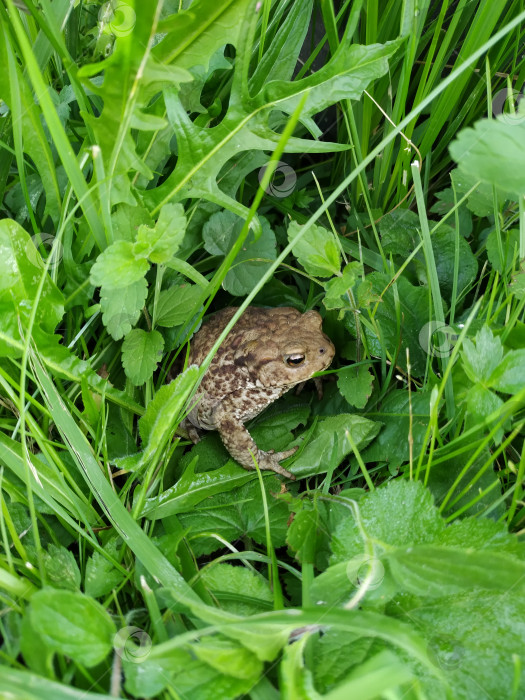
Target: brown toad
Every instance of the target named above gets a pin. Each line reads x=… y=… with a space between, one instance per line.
x=268 y=352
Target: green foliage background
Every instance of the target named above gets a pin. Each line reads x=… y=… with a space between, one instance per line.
x=162 y=160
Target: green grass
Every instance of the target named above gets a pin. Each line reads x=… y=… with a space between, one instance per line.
x=158 y=164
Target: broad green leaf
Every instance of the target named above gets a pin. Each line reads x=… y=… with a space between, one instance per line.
x=337 y=288
x=434 y=571
x=482 y=402
x=126 y=221
x=481 y=533
x=228 y=658
x=131 y=77
x=118 y=267
x=246 y=124
x=121 y=307
x=380 y=674
x=480 y=201
x=185 y=675
x=509 y=376
x=141 y=352
x=483 y=356
x=101 y=575
x=336 y=652
x=23 y=685
x=273 y=429
x=220 y=233
x=408 y=504
x=443 y=244
x=61 y=567
x=240 y=590
x=302 y=534
x=510 y=246
x=173 y=304
x=163 y=241
x=400 y=232
x=317 y=455
x=73 y=624
x=355 y=384
x=401 y=317
x=317 y=250
x=193 y=488
x=474 y=637
x=493 y=152
x=21 y=269
x=236 y=514
x=349 y=72
x=188 y=40
x=397 y=416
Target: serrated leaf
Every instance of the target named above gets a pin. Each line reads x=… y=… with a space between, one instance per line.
x=61 y=567
x=121 y=307
x=126 y=221
x=118 y=267
x=493 y=152
x=141 y=352
x=163 y=241
x=246 y=125
x=316 y=250
x=510 y=246
x=337 y=288
x=317 y=455
x=483 y=356
x=173 y=304
x=101 y=575
x=482 y=402
x=355 y=384
x=509 y=375
x=400 y=232
x=73 y=624
x=408 y=504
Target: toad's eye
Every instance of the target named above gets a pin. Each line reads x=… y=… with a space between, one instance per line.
x=294 y=360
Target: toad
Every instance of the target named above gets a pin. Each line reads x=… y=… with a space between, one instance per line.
x=267 y=353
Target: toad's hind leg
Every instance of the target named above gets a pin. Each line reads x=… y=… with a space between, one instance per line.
x=241 y=446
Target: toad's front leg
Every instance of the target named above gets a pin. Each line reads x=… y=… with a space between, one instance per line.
x=241 y=446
